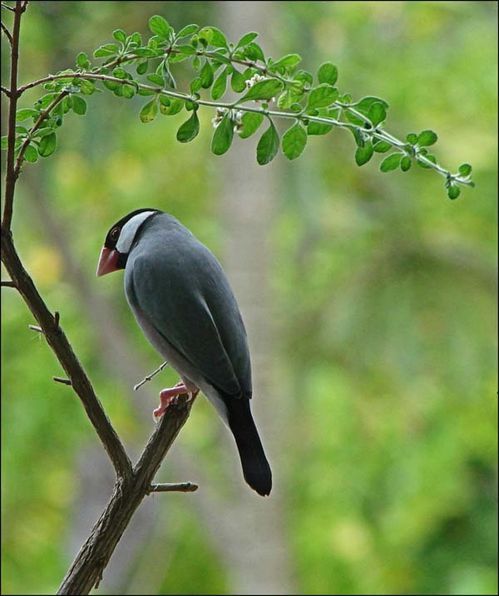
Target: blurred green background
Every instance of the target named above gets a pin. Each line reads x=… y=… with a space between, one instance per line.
x=369 y=300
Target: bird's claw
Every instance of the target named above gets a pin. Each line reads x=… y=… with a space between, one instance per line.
x=171 y=397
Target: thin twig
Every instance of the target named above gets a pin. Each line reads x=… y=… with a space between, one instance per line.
x=8 y=34
x=41 y=118
x=35 y=328
x=8 y=284
x=62 y=380
x=5 y=91
x=150 y=376
x=183 y=487
x=6 y=6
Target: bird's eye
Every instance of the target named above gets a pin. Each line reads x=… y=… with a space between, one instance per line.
x=115 y=232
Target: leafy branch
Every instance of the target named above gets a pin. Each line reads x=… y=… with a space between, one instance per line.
x=263 y=89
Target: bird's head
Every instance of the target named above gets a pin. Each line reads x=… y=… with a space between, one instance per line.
x=120 y=239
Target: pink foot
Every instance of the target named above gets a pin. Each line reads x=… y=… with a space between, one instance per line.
x=168 y=396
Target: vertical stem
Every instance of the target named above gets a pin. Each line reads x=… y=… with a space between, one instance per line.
x=10 y=176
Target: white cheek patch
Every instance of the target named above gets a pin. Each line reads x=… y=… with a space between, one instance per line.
x=129 y=230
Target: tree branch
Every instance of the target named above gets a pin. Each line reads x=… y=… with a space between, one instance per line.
x=10 y=179
x=64 y=352
x=184 y=487
x=8 y=34
x=89 y=564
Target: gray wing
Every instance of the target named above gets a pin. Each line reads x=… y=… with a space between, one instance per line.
x=181 y=289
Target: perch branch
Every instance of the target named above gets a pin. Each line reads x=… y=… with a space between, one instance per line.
x=89 y=564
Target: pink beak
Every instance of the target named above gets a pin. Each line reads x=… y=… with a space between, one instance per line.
x=108 y=261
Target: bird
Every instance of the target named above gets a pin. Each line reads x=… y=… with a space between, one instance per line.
x=182 y=301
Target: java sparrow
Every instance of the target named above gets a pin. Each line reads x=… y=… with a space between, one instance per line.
x=182 y=300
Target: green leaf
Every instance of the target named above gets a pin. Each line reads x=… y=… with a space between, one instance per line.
x=108 y=49
x=266 y=89
x=42 y=132
x=145 y=52
x=391 y=162
x=195 y=85
x=318 y=128
x=79 y=105
x=222 y=138
x=142 y=67
x=363 y=154
x=382 y=147
x=82 y=60
x=238 y=81
x=156 y=79
x=206 y=75
x=251 y=122
x=189 y=129
x=254 y=52
x=220 y=85
x=268 y=145
x=149 y=111
x=321 y=96
x=187 y=30
x=213 y=36
x=363 y=106
x=412 y=138
x=87 y=87
x=25 y=113
x=128 y=91
x=427 y=138
x=465 y=169
x=376 y=113
x=170 y=107
x=136 y=38
x=120 y=73
x=453 y=191
x=294 y=141
x=45 y=100
x=246 y=39
x=305 y=77
x=183 y=52
x=327 y=73
x=405 y=163
x=160 y=26
x=285 y=63
x=47 y=145
x=119 y=35
x=31 y=154
x=111 y=85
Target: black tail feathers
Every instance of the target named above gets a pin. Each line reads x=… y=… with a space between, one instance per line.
x=256 y=468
